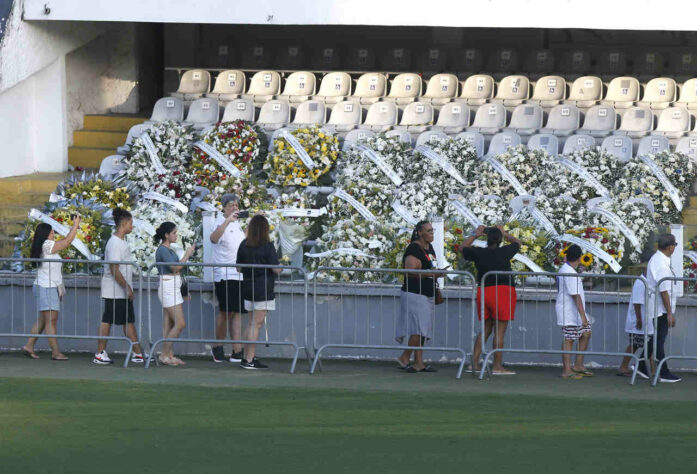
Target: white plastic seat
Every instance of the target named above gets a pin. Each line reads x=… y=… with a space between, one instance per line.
x=652 y=144
x=477 y=89
x=426 y=136
x=256 y=57
x=416 y=118
x=360 y=59
x=501 y=142
x=674 y=122
x=405 y=88
x=612 y=63
x=396 y=59
x=512 y=91
x=585 y=92
x=381 y=117
x=239 y=109
x=356 y=136
x=549 y=91
x=489 y=119
x=274 y=114
x=229 y=85
x=687 y=146
x=649 y=64
x=441 y=89
x=193 y=85
x=577 y=142
x=334 y=87
x=619 y=146
x=526 y=120
x=370 y=88
x=290 y=57
x=469 y=61
x=622 y=92
x=545 y=142
x=575 y=63
x=659 y=93
x=563 y=120
x=432 y=60
x=539 y=62
x=263 y=86
x=111 y=166
x=203 y=113
x=688 y=95
x=345 y=116
x=310 y=112
x=637 y=122
x=600 y=121
x=452 y=118
x=133 y=133
x=503 y=61
x=403 y=135
x=475 y=139
x=299 y=87
x=167 y=108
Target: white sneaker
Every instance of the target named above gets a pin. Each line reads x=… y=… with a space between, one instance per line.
x=102 y=358
x=137 y=358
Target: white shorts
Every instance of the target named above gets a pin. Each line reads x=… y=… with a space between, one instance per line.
x=260 y=305
x=169 y=291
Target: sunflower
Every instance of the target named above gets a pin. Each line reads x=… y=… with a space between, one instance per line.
x=587 y=260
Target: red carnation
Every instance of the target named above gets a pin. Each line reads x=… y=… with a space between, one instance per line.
x=170 y=186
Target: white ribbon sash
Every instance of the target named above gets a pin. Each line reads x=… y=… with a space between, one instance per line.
x=300 y=212
x=465 y=211
x=658 y=173
x=595 y=250
x=165 y=200
x=440 y=161
x=616 y=221
x=362 y=210
x=62 y=230
x=206 y=206
x=691 y=255
x=299 y=150
x=380 y=162
x=507 y=175
x=218 y=157
x=340 y=251
x=541 y=219
x=587 y=177
x=146 y=226
x=152 y=153
x=404 y=213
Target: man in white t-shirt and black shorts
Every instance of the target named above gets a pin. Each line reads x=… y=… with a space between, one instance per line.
x=635 y=326
x=227 y=237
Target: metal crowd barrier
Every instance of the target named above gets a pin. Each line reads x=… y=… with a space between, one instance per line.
x=535 y=313
x=286 y=325
x=678 y=337
x=81 y=307
x=357 y=313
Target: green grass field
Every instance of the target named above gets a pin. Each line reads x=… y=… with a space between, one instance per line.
x=91 y=426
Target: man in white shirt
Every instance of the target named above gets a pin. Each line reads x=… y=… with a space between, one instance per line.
x=636 y=325
x=227 y=237
x=661 y=302
x=571 y=315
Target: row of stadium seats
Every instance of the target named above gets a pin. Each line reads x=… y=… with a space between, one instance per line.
x=621 y=92
x=526 y=119
x=466 y=60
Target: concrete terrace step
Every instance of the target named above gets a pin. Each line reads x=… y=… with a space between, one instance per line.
x=98 y=138
x=88 y=157
x=113 y=123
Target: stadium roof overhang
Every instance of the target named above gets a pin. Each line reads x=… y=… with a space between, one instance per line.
x=675 y=15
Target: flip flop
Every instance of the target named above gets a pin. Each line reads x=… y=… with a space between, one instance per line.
x=623 y=374
x=31 y=355
x=429 y=369
x=572 y=377
x=400 y=366
x=584 y=372
x=166 y=361
x=59 y=358
x=505 y=372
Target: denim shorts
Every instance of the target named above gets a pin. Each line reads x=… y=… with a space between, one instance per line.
x=46 y=298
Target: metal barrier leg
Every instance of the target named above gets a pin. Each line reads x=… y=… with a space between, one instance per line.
x=128 y=354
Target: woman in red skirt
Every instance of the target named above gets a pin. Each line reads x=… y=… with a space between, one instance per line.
x=499 y=290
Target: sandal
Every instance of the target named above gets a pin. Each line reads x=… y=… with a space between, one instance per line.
x=166 y=361
x=572 y=376
x=400 y=366
x=584 y=372
x=30 y=354
x=623 y=374
x=178 y=361
x=59 y=357
x=503 y=372
x=413 y=370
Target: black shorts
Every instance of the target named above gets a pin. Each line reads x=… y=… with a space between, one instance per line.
x=636 y=341
x=118 y=311
x=229 y=294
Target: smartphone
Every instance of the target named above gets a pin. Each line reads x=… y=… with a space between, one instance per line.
x=243 y=214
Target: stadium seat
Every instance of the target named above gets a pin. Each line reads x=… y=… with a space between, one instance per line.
x=575 y=63
x=403 y=135
x=274 y=114
x=355 y=136
x=381 y=117
x=290 y=57
x=477 y=89
x=503 y=62
x=167 y=108
x=263 y=87
x=432 y=60
x=549 y=91
x=193 y=85
x=416 y=118
x=360 y=59
x=659 y=93
x=345 y=116
x=512 y=91
x=229 y=85
x=526 y=120
x=539 y=63
x=585 y=92
x=326 y=59
x=502 y=142
x=600 y=121
x=405 y=88
x=426 y=136
x=469 y=61
x=370 y=87
x=441 y=89
x=239 y=109
x=674 y=122
x=563 y=120
x=452 y=118
x=489 y=119
x=299 y=87
x=203 y=113
x=577 y=142
x=475 y=139
x=636 y=122
x=310 y=112
x=612 y=63
x=111 y=166
x=687 y=146
x=335 y=87
x=396 y=59
x=619 y=146
x=652 y=144
x=546 y=142
x=649 y=64
x=256 y=57
x=622 y=92
x=688 y=95
x=133 y=133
